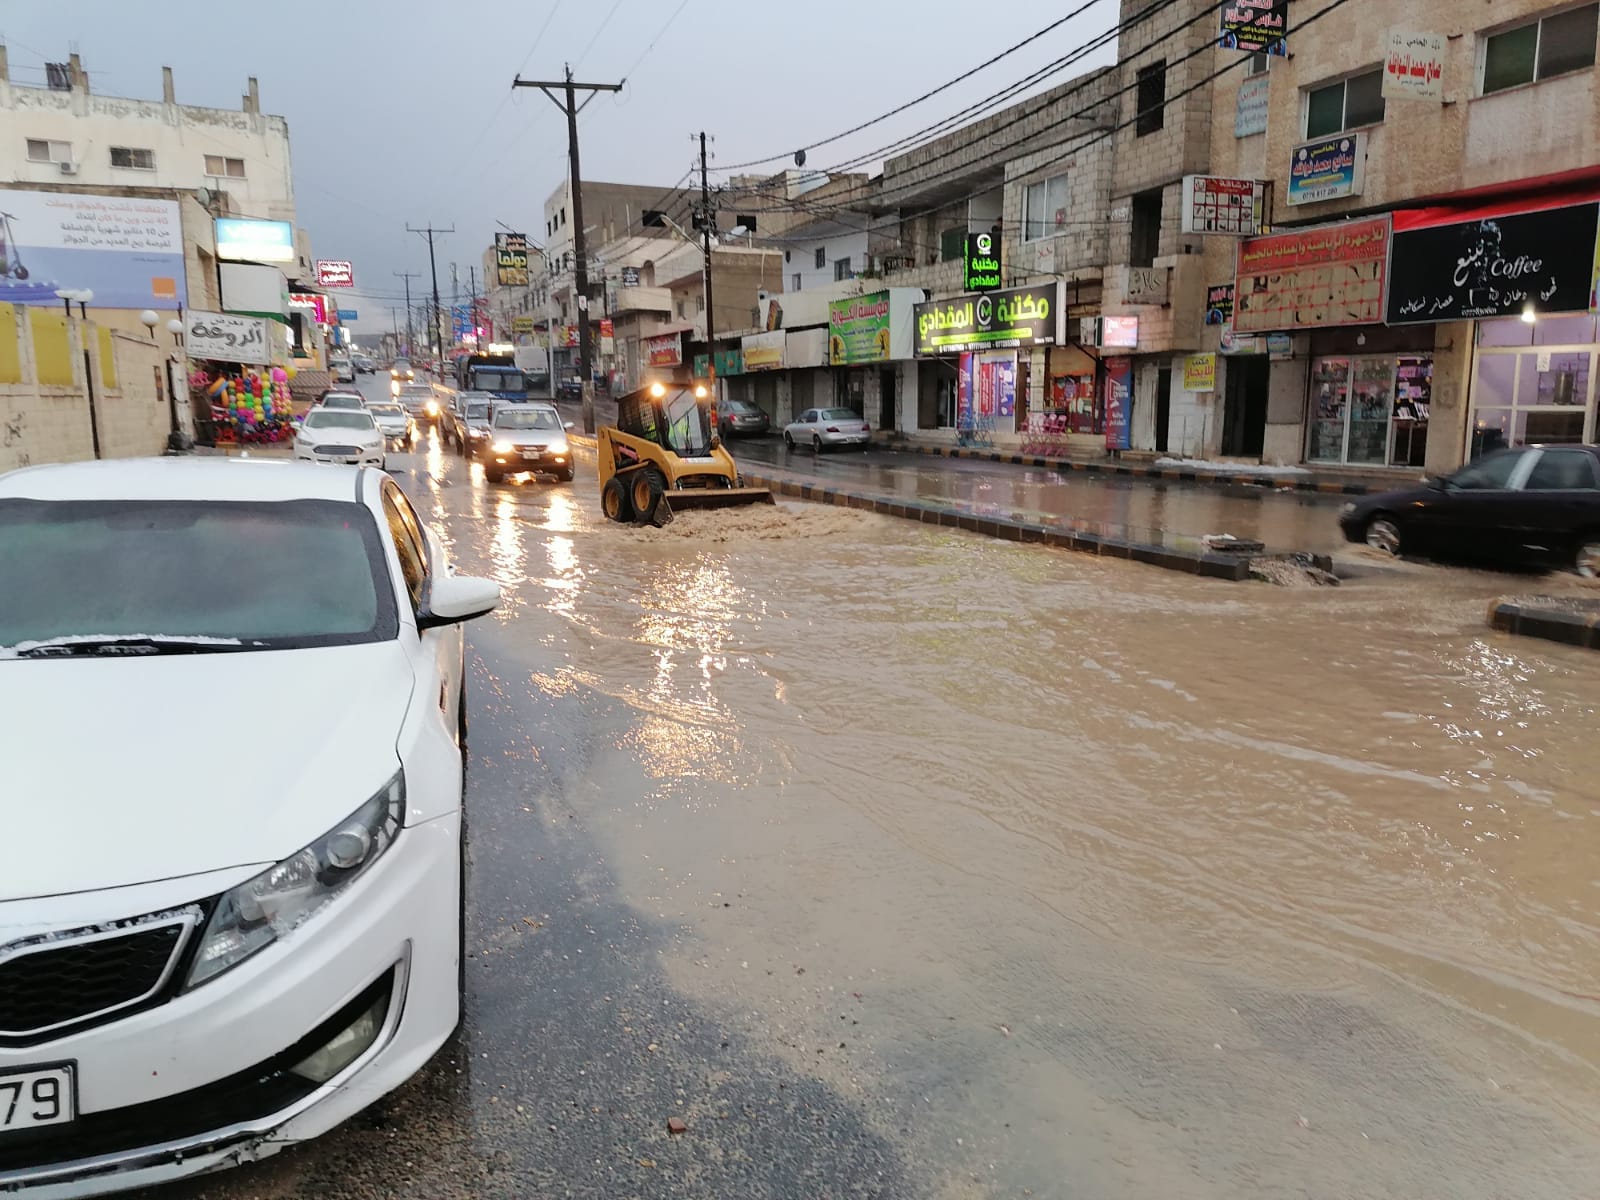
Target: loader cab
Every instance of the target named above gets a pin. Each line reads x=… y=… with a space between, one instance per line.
x=676 y=417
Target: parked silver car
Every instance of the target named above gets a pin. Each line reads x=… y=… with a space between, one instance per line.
x=821 y=428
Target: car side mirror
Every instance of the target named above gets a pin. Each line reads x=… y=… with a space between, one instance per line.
x=453 y=599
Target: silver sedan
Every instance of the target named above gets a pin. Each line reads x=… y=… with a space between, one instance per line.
x=820 y=428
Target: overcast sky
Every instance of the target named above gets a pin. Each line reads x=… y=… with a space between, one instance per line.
x=402 y=111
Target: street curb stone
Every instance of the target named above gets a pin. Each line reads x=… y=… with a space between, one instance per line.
x=1571 y=627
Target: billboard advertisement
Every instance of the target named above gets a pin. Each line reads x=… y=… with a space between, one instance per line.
x=243 y=240
x=1255 y=26
x=126 y=250
x=858 y=330
x=511 y=259
x=1016 y=317
x=1330 y=169
x=223 y=337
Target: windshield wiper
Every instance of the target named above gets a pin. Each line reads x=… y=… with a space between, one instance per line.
x=126 y=647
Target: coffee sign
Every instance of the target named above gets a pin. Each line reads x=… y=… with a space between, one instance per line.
x=1000 y=320
x=982 y=273
x=1498 y=267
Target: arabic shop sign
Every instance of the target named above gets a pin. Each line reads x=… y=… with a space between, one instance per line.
x=630 y=276
x=995 y=320
x=1119 y=403
x=664 y=351
x=1250 y=109
x=1200 y=373
x=1256 y=26
x=981 y=272
x=1330 y=169
x=335 y=273
x=1327 y=275
x=223 y=337
x=1493 y=268
x=1219 y=304
x=313 y=303
x=1413 y=67
x=511 y=259
x=1215 y=205
x=858 y=330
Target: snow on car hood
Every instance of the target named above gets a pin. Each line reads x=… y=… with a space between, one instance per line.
x=129 y=770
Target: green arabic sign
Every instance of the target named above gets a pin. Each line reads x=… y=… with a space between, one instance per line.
x=729 y=362
x=858 y=330
x=995 y=320
x=982 y=263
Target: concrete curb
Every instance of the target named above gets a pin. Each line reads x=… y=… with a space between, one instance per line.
x=1173 y=474
x=1569 y=627
x=1207 y=565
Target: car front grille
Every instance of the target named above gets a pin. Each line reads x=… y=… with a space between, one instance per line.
x=338 y=451
x=63 y=982
x=252 y=1095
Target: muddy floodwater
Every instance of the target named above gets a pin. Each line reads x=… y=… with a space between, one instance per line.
x=1080 y=878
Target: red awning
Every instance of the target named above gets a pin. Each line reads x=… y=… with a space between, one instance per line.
x=1504 y=200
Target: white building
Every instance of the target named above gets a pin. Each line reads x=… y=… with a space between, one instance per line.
x=69 y=135
x=824 y=252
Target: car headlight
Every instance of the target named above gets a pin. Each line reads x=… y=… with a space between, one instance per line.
x=559 y=446
x=503 y=447
x=433 y=409
x=1347 y=509
x=282 y=898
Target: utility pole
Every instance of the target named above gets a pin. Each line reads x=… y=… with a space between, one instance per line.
x=472 y=303
x=433 y=269
x=408 y=276
x=708 y=222
x=572 y=108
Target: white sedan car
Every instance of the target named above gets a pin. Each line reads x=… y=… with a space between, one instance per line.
x=341 y=435
x=819 y=428
x=231 y=871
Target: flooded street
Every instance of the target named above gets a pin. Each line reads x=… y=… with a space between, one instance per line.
x=901 y=862
x=1157 y=886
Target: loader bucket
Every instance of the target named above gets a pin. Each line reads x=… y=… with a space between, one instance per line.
x=684 y=499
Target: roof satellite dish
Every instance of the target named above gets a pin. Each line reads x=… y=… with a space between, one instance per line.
x=799 y=158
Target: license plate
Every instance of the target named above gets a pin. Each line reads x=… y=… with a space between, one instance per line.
x=37 y=1097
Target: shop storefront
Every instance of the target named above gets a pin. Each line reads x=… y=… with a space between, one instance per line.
x=1371 y=394
x=981 y=350
x=1072 y=402
x=1523 y=270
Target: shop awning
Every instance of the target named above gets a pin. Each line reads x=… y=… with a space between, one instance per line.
x=1504 y=200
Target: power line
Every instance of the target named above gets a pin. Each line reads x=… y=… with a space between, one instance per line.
x=928 y=95
x=585 y=52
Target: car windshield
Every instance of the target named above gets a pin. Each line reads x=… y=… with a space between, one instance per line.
x=688 y=428
x=478 y=410
x=387 y=410
x=527 y=418
x=741 y=408
x=1490 y=472
x=837 y=414
x=499 y=380
x=339 y=419
x=419 y=390
x=222 y=575
x=338 y=400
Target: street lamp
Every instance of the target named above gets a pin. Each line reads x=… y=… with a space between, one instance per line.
x=84 y=299
x=175 y=328
x=66 y=296
x=149 y=320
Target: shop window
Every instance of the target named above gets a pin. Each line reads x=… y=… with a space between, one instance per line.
x=1371 y=410
x=953 y=244
x=1522 y=397
x=1152 y=99
x=1145 y=243
x=133 y=159
x=41 y=150
x=1543 y=49
x=224 y=168
x=1044 y=208
x=1347 y=104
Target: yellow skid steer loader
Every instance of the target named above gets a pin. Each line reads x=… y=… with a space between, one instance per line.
x=662 y=456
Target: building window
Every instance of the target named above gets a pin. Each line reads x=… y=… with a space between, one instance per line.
x=1045 y=208
x=42 y=151
x=794 y=282
x=1556 y=45
x=1348 y=104
x=225 y=168
x=1152 y=99
x=822 y=257
x=953 y=244
x=1260 y=64
x=841 y=270
x=137 y=160
x=1146 y=240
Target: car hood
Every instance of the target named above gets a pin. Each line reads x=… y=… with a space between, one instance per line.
x=131 y=770
x=1389 y=501
x=340 y=437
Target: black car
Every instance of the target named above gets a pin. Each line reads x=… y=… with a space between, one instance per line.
x=1535 y=506
x=740 y=418
x=466 y=420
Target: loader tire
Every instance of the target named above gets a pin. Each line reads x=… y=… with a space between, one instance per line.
x=645 y=491
x=614 y=501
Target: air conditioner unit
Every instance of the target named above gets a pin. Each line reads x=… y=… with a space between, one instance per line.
x=68 y=168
